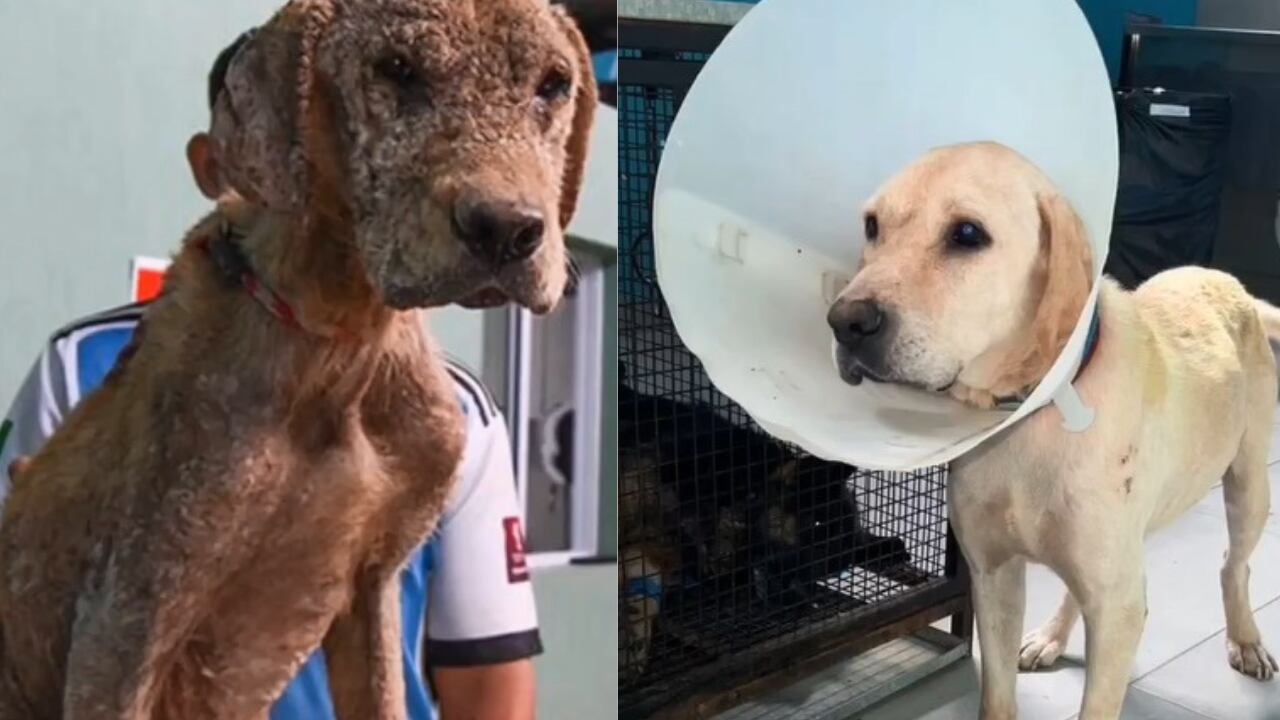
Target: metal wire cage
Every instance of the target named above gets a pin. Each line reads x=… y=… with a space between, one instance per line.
x=740 y=558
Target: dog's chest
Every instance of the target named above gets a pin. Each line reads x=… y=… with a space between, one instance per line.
x=1030 y=487
x=407 y=439
x=340 y=486
x=368 y=474
x=1039 y=491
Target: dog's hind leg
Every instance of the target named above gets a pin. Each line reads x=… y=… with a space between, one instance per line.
x=123 y=637
x=999 y=599
x=147 y=589
x=362 y=652
x=1044 y=645
x=12 y=702
x=1246 y=491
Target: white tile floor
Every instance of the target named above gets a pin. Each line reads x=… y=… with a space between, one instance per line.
x=1181 y=672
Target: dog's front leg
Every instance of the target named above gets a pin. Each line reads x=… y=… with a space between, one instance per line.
x=362 y=652
x=1114 y=612
x=999 y=601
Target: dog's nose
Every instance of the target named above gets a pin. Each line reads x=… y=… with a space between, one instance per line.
x=498 y=231
x=853 y=321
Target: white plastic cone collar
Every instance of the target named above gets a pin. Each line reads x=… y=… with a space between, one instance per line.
x=803 y=111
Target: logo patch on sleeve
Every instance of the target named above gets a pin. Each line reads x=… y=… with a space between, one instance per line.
x=517 y=567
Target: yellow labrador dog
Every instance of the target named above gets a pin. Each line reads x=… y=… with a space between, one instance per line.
x=975 y=272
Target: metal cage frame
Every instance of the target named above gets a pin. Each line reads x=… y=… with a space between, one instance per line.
x=727 y=652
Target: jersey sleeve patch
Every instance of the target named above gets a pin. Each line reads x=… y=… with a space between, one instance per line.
x=517 y=563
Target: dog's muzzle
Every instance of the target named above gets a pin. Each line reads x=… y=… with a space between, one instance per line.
x=497 y=232
x=861 y=328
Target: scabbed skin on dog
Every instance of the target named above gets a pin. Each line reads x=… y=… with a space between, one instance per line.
x=241 y=491
x=1182 y=380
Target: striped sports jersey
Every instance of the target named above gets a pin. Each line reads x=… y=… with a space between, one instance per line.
x=465 y=594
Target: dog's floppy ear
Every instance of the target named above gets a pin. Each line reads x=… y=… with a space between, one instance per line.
x=258 y=117
x=1068 y=267
x=584 y=110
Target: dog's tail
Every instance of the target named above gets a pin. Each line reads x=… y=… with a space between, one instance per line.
x=1270 y=316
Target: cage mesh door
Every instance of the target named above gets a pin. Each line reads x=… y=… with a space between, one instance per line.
x=735 y=551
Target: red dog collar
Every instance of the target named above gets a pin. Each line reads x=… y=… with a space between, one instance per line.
x=223 y=248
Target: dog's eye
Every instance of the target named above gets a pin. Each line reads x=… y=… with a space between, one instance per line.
x=968 y=235
x=555 y=85
x=411 y=88
x=872 y=228
x=397 y=70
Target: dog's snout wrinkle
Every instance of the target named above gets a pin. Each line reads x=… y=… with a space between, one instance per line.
x=852 y=321
x=498 y=231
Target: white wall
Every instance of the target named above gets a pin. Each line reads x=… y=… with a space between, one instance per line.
x=578 y=614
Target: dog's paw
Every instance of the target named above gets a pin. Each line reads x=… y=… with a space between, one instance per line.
x=1040 y=649
x=1252 y=659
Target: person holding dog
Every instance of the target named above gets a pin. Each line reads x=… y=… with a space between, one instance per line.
x=469 y=622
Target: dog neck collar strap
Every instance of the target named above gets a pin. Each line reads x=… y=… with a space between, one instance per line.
x=224 y=250
x=1090 y=345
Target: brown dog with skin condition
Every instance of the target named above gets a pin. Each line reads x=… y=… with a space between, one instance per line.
x=245 y=487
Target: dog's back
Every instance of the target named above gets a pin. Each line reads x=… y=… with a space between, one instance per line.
x=54 y=532
x=1207 y=345
x=94 y=496
x=1209 y=306
x=1209 y=379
